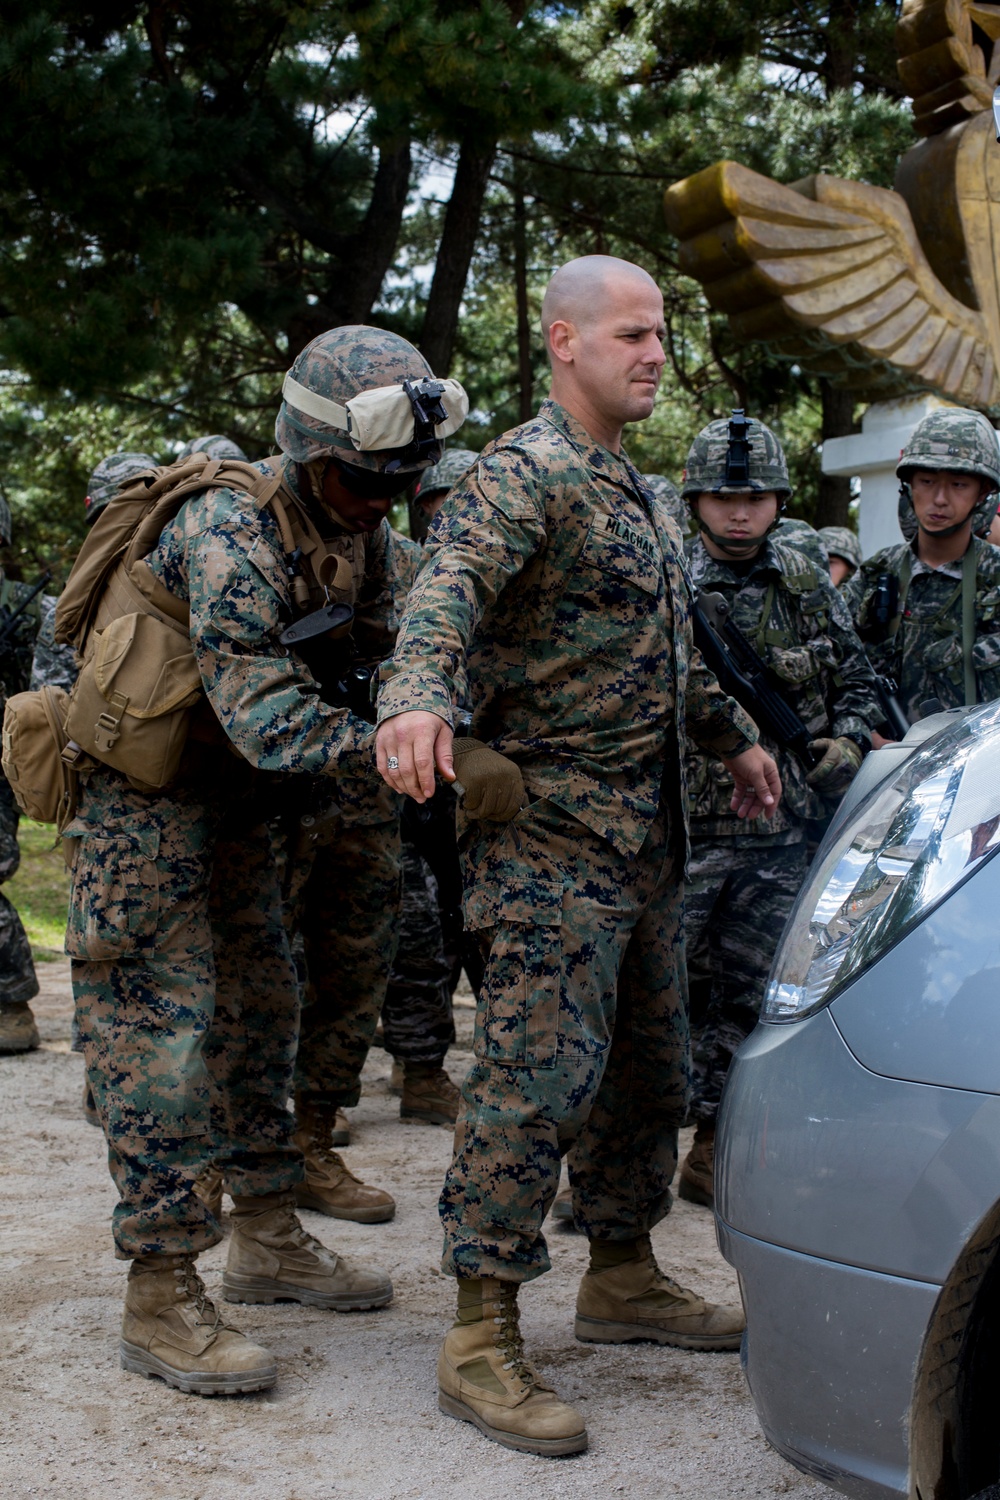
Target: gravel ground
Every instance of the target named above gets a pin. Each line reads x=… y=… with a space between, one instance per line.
x=354 y=1411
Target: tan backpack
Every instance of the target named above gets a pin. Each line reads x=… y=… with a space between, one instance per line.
x=139 y=682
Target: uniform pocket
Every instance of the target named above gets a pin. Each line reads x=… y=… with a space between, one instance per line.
x=115 y=901
x=518 y=1017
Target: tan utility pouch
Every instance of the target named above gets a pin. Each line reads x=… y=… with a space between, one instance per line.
x=34 y=737
x=132 y=701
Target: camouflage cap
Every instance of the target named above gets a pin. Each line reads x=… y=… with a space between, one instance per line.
x=6 y=524
x=706 y=462
x=446 y=473
x=216 y=445
x=339 y=365
x=109 y=476
x=958 y=440
x=840 y=541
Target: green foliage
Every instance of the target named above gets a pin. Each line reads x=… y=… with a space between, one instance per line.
x=40 y=890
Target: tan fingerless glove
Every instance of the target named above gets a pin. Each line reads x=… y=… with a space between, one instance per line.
x=838 y=766
x=492 y=784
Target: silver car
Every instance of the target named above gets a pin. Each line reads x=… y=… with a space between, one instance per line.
x=858 y=1155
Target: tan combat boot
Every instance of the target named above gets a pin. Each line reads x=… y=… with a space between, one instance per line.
x=171 y=1329
x=484 y=1378
x=562 y=1207
x=429 y=1096
x=396 y=1076
x=696 y=1183
x=273 y=1259
x=632 y=1300
x=330 y=1187
x=18 y=1032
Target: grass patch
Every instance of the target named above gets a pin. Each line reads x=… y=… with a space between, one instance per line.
x=40 y=890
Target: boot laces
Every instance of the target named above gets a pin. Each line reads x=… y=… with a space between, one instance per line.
x=194 y=1288
x=508 y=1337
x=321 y=1147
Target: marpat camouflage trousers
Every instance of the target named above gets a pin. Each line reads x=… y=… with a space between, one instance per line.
x=739 y=893
x=346 y=911
x=186 y=998
x=17 y=970
x=581 y=1041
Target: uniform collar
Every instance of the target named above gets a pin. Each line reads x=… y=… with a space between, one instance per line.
x=613 y=466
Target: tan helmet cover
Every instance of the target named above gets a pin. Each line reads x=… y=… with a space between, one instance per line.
x=378 y=419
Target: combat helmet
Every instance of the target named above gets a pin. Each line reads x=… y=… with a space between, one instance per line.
x=840 y=541
x=6 y=524
x=732 y=455
x=962 y=441
x=367 y=398
x=445 y=474
x=669 y=495
x=216 y=445
x=109 y=476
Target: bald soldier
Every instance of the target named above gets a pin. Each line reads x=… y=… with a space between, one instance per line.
x=555 y=575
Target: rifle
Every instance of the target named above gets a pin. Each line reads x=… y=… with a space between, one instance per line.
x=8 y=628
x=885 y=607
x=746 y=678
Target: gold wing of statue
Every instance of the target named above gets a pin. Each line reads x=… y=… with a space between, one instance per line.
x=947 y=59
x=832 y=272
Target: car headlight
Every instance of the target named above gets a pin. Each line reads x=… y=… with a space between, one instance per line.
x=902 y=850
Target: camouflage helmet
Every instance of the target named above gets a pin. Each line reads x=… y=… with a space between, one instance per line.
x=706 y=466
x=109 y=476
x=216 y=445
x=6 y=524
x=803 y=537
x=961 y=441
x=840 y=541
x=445 y=474
x=669 y=495
x=337 y=367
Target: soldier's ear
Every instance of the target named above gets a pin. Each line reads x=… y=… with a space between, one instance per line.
x=562 y=335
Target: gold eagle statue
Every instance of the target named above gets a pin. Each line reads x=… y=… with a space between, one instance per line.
x=884 y=292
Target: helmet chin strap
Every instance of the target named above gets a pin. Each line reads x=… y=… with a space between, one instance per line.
x=733 y=547
x=942 y=531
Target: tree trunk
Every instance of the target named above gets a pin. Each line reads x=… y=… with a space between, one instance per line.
x=835 y=489
x=458 y=240
x=526 y=406
x=358 y=270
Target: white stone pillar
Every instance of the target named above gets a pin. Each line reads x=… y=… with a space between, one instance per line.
x=871 y=455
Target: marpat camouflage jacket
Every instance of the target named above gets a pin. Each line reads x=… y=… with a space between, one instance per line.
x=560 y=579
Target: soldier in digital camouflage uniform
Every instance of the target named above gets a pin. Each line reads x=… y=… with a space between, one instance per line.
x=417 y=1021
x=670 y=496
x=928 y=609
x=844 y=551
x=556 y=577
x=181 y=972
x=18 y=983
x=744 y=876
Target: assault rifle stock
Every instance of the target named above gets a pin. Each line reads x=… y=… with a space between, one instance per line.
x=746 y=678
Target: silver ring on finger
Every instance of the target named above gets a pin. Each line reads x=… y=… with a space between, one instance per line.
x=392 y=763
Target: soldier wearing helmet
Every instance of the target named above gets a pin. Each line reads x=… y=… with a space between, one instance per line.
x=182 y=975
x=744 y=876
x=843 y=550
x=928 y=608
x=111 y=474
x=215 y=445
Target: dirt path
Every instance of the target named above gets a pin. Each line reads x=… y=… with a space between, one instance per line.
x=354 y=1412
